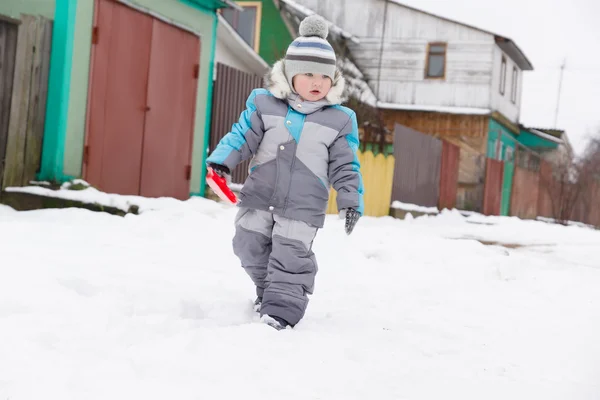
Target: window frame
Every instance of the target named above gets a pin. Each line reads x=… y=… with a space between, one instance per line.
x=514 y=85
x=257 y=26
x=503 y=68
x=427 y=58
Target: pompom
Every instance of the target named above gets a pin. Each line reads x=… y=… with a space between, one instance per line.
x=314 y=25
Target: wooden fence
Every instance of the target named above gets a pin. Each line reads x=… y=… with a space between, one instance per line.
x=492 y=198
x=25 y=64
x=449 y=176
x=378 y=174
x=525 y=193
x=417 y=170
x=231 y=90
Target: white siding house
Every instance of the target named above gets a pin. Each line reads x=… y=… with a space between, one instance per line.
x=414 y=59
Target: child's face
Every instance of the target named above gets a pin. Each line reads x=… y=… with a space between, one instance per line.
x=312 y=87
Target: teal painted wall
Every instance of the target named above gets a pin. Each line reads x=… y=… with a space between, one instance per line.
x=59 y=81
x=274 y=34
x=70 y=134
x=497 y=130
x=14 y=8
x=75 y=133
x=530 y=140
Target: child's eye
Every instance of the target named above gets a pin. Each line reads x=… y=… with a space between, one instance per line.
x=309 y=74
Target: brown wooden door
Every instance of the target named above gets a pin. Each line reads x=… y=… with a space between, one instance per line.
x=172 y=88
x=118 y=97
x=142 y=104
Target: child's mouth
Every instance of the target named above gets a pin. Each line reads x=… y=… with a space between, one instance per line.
x=315 y=92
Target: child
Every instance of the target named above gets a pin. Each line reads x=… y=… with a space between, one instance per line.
x=300 y=140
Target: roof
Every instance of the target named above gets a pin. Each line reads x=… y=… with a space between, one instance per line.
x=240 y=48
x=214 y=4
x=506 y=44
x=438 y=109
x=544 y=135
x=305 y=12
x=557 y=133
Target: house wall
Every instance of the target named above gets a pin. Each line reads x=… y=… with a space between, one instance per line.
x=498 y=132
x=14 y=8
x=530 y=140
x=201 y=22
x=469 y=60
x=274 y=36
x=503 y=102
x=439 y=124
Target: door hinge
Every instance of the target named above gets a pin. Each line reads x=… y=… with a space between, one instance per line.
x=188 y=172
x=95 y=35
x=86 y=154
x=196 y=71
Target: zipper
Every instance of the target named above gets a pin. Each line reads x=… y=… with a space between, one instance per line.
x=287 y=196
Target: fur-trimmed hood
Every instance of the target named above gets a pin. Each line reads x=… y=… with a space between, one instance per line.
x=277 y=84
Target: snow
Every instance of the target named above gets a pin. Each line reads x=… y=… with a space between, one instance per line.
x=91 y=195
x=441 y=109
x=305 y=12
x=546 y=136
x=156 y=306
x=413 y=207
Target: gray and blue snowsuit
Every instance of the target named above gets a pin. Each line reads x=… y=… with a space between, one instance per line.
x=298 y=149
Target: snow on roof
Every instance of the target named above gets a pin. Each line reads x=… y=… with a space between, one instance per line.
x=356 y=82
x=545 y=136
x=440 y=109
x=332 y=27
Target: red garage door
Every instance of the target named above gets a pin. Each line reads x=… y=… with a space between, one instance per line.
x=141 y=104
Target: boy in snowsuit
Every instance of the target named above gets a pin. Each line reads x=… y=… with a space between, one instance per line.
x=301 y=141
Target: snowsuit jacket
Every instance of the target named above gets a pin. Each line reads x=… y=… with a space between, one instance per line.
x=298 y=149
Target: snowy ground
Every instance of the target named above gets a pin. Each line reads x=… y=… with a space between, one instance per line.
x=94 y=306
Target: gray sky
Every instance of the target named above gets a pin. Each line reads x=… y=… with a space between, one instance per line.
x=547 y=31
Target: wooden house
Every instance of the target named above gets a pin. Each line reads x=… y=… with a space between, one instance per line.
x=436 y=75
x=129 y=94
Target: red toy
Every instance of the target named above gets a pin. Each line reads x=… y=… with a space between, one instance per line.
x=219 y=185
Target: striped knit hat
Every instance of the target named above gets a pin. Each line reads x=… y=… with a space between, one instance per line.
x=310 y=53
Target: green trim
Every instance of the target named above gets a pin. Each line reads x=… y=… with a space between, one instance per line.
x=209 y=101
x=59 y=86
x=201 y=5
x=507 y=182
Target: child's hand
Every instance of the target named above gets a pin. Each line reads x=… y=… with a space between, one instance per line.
x=222 y=171
x=351 y=216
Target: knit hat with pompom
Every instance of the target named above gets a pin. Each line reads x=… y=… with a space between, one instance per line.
x=311 y=52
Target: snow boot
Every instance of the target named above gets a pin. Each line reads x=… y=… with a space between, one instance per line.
x=275 y=322
x=257 y=304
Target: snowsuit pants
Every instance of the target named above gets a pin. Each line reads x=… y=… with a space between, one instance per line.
x=277 y=254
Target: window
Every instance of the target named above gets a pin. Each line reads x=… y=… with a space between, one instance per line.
x=435 y=66
x=509 y=155
x=515 y=85
x=247 y=22
x=503 y=76
x=499 y=147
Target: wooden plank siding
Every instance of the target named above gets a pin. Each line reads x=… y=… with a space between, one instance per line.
x=417 y=169
x=231 y=90
x=8 y=45
x=28 y=101
x=449 y=176
x=525 y=193
x=378 y=174
x=494 y=174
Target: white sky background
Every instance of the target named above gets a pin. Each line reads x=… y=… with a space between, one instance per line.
x=547 y=31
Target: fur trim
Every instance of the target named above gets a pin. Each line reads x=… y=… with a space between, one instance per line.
x=276 y=83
